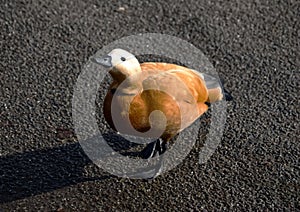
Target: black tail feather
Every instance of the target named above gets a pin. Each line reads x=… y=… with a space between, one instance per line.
x=227 y=95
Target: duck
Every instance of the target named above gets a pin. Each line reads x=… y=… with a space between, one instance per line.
x=155 y=99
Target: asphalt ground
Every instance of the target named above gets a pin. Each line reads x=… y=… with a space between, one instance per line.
x=254 y=46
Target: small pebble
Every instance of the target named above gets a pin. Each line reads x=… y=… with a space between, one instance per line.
x=121 y=9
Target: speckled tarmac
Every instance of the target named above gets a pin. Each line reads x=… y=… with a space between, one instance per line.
x=254 y=46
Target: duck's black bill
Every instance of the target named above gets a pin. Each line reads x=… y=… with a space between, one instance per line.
x=104 y=61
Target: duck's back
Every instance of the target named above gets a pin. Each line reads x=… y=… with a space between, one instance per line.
x=193 y=80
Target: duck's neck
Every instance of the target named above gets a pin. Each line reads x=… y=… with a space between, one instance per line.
x=127 y=70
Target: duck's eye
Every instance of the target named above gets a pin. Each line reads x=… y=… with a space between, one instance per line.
x=123 y=58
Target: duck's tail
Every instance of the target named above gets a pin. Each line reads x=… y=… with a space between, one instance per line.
x=215 y=91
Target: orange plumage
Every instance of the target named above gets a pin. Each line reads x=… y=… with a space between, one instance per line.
x=147 y=101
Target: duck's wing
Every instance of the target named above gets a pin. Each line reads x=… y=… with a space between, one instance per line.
x=193 y=80
x=177 y=92
x=212 y=84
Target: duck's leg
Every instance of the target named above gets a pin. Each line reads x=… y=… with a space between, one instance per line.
x=153 y=149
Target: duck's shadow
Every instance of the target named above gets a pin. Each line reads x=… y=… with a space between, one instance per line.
x=35 y=172
x=125 y=145
x=31 y=173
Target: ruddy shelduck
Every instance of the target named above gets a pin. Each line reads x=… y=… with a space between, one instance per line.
x=139 y=89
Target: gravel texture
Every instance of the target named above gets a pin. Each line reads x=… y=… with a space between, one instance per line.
x=254 y=46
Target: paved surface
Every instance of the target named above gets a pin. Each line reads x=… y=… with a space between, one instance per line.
x=254 y=46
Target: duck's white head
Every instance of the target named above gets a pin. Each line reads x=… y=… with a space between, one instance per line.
x=121 y=64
